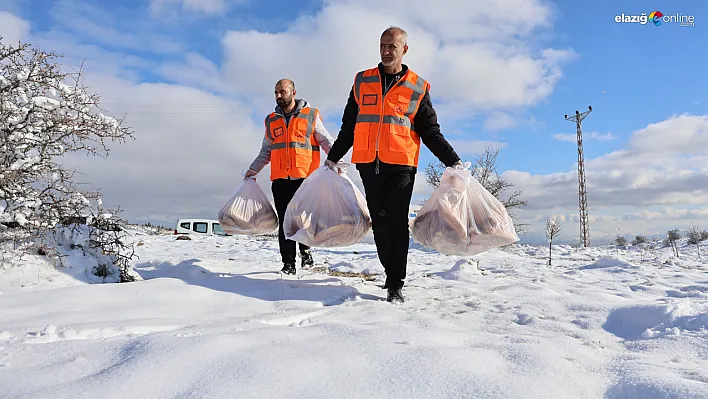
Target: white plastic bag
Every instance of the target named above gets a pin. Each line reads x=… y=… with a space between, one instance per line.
x=462 y=218
x=327 y=211
x=248 y=211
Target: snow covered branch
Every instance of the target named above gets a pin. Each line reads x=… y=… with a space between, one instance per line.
x=46 y=113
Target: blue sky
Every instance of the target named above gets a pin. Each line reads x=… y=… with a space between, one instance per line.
x=520 y=65
x=631 y=74
x=647 y=72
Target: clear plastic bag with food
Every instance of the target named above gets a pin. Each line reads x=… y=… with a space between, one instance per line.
x=328 y=210
x=249 y=211
x=462 y=218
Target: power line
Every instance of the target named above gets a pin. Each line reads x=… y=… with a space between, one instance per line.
x=180 y=113
x=166 y=105
x=582 y=189
x=174 y=111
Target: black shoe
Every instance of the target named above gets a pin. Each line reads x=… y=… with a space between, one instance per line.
x=306 y=259
x=288 y=268
x=395 y=295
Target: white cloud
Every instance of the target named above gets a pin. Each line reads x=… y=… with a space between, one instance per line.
x=205 y=6
x=97 y=24
x=499 y=121
x=565 y=137
x=200 y=72
x=666 y=164
x=473 y=147
x=668 y=214
x=678 y=145
x=12 y=28
x=606 y=224
x=473 y=54
x=94 y=59
x=193 y=138
x=680 y=134
x=600 y=137
x=190 y=145
x=570 y=218
x=189 y=150
x=573 y=138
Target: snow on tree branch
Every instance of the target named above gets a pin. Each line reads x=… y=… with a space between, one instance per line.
x=46 y=113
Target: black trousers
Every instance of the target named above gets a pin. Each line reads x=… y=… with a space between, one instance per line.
x=388 y=196
x=283 y=192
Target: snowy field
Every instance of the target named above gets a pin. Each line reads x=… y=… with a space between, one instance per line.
x=212 y=318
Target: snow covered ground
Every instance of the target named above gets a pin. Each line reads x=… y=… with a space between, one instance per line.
x=213 y=318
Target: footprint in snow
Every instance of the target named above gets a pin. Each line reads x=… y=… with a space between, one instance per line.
x=4 y=357
x=584 y=324
x=297 y=320
x=188 y=334
x=523 y=319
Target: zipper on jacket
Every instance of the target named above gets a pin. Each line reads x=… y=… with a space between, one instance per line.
x=287 y=144
x=378 y=132
x=383 y=97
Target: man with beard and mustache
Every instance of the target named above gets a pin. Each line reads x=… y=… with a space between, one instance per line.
x=294 y=134
x=388 y=114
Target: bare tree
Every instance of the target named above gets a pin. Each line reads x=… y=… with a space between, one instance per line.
x=695 y=237
x=553 y=228
x=46 y=113
x=672 y=237
x=484 y=169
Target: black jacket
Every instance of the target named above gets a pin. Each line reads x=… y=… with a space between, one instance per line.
x=426 y=126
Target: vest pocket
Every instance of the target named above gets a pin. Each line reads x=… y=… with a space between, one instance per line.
x=300 y=127
x=277 y=160
x=401 y=106
x=400 y=143
x=399 y=138
x=361 y=136
x=302 y=157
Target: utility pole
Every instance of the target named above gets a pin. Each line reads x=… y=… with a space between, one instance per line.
x=582 y=192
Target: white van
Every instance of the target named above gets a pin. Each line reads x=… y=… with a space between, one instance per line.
x=412 y=214
x=199 y=226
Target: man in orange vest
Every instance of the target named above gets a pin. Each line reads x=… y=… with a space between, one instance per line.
x=388 y=113
x=294 y=134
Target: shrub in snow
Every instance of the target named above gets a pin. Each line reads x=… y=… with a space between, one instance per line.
x=639 y=240
x=621 y=241
x=671 y=238
x=154 y=229
x=102 y=243
x=45 y=114
x=695 y=237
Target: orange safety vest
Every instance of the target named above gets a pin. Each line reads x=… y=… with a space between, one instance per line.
x=385 y=126
x=294 y=152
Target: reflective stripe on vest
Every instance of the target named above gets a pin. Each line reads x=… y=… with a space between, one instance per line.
x=384 y=125
x=294 y=150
